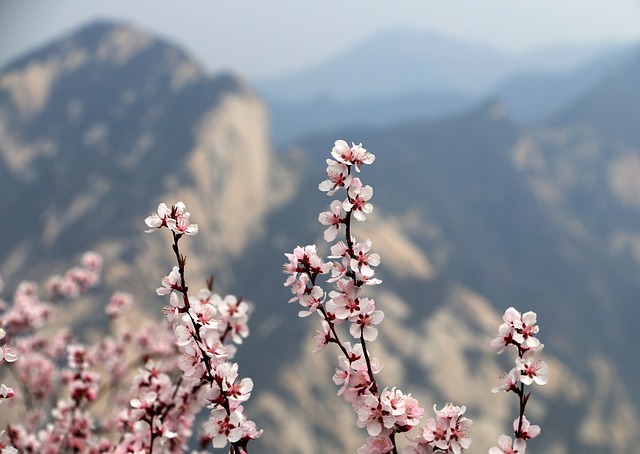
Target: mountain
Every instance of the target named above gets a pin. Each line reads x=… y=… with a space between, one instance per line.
x=398 y=76
x=290 y=121
x=534 y=96
x=401 y=62
x=473 y=214
x=98 y=127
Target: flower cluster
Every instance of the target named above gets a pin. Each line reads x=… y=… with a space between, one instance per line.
x=7 y=356
x=141 y=388
x=350 y=268
x=447 y=432
x=175 y=219
x=519 y=330
x=201 y=326
x=57 y=378
x=78 y=279
x=138 y=388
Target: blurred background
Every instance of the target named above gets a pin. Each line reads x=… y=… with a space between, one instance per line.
x=507 y=137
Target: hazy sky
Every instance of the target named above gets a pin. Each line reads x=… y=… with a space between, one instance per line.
x=262 y=38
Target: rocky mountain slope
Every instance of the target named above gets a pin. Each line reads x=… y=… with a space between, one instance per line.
x=100 y=126
x=473 y=214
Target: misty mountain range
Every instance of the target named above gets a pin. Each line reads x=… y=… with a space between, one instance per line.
x=521 y=189
x=399 y=75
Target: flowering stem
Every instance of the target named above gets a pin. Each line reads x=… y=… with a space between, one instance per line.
x=374 y=385
x=522 y=400
x=336 y=339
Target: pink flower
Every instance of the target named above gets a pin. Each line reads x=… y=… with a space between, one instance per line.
x=449 y=430
x=358 y=201
x=507 y=446
x=6 y=392
x=346 y=300
x=527 y=431
x=323 y=337
x=362 y=323
x=312 y=300
x=370 y=414
x=354 y=155
x=223 y=428
x=339 y=177
x=182 y=225
x=238 y=391
x=333 y=219
x=7 y=355
x=532 y=369
x=525 y=330
x=144 y=404
x=413 y=412
x=508 y=382
x=421 y=448
x=176 y=219
x=363 y=259
x=159 y=219
x=118 y=304
x=304 y=260
x=170 y=282
x=377 y=445
x=504 y=338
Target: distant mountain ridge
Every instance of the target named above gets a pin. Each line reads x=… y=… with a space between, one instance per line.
x=399 y=75
x=400 y=62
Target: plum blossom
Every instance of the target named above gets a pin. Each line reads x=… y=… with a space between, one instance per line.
x=448 y=431
x=371 y=416
x=176 y=218
x=519 y=330
x=304 y=259
x=223 y=428
x=504 y=338
x=323 y=337
x=338 y=177
x=509 y=382
x=532 y=369
x=354 y=155
x=5 y=350
x=377 y=445
x=508 y=446
x=525 y=329
x=364 y=320
x=311 y=300
x=363 y=259
x=333 y=219
x=526 y=430
x=118 y=304
x=182 y=225
x=347 y=301
x=6 y=392
x=358 y=201
x=158 y=219
x=170 y=282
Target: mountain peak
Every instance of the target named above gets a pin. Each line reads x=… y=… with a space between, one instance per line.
x=109 y=118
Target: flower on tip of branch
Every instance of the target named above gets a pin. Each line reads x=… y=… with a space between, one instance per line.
x=176 y=219
x=352 y=155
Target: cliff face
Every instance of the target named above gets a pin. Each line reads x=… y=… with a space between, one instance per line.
x=100 y=126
